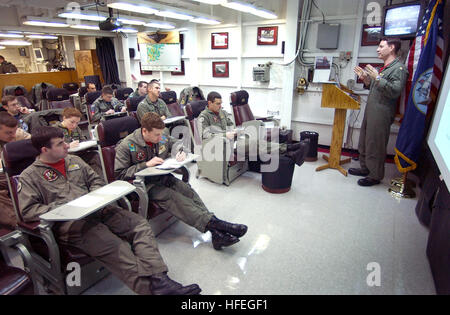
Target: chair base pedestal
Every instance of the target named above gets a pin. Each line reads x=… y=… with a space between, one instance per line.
x=276 y=191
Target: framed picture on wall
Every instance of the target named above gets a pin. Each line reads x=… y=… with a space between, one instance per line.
x=219 y=40
x=220 y=69
x=144 y=72
x=377 y=66
x=371 y=35
x=22 y=52
x=268 y=35
x=181 y=72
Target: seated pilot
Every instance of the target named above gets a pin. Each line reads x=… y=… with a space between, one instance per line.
x=147 y=147
x=214 y=121
x=9 y=132
x=121 y=240
x=73 y=136
x=106 y=104
x=152 y=103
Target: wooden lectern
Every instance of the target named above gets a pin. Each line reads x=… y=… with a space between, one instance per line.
x=335 y=97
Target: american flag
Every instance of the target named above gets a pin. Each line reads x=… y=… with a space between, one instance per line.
x=414 y=55
x=426 y=72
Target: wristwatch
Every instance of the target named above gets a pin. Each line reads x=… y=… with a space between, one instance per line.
x=378 y=78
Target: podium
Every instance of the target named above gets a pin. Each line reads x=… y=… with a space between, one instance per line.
x=340 y=100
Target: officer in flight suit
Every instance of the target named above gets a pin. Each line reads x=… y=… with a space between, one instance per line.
x=147 y=147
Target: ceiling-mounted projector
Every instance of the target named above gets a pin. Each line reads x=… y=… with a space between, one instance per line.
x=110 y=24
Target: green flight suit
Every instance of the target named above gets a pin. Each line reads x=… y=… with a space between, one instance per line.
x=101 y=107
x=147 y=106
x=378 y=117
x=90 y=156
x=119 y=239
x=172 y=194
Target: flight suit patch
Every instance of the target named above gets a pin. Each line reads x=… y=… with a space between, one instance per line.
x=132 y=147
x=50 y=175
x=19 y=187
x=73 y=167
x=140 y=156
x=162 y=149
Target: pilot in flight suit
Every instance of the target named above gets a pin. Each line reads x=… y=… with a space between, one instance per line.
x=119 y=239
x=146 y=145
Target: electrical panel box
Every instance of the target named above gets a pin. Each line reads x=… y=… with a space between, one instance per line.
x=328 y=36
x=261 y=73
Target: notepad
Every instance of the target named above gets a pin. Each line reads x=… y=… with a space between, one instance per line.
x=173 y=119
x=83 y=146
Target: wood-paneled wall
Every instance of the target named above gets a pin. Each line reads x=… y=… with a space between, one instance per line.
x=28 y=80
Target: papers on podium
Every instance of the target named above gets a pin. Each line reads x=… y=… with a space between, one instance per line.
x=83 y=146
x=85 y=205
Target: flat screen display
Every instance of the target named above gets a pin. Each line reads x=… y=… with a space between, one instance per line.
x=439 y=136
x=403 y=20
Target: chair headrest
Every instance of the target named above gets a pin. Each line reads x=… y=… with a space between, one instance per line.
x=71 y=86
x=19 y=91
x=111 y=131
x=92 y=96
x=169 y=97
x=82 y=91
x=134 y=102
x=194 y=109
x=56 y=94
x=18 y=155
x=123 y=93
x=239 y=98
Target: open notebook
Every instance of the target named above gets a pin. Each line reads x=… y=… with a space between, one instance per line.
x=174 y=164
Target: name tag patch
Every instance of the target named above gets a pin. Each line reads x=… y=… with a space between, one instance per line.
x=73 y=167
x=50 y=175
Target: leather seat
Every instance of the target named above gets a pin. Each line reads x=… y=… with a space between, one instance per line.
x=58 y=98
x=123 y=93
x=170 y=98
x=279 y=181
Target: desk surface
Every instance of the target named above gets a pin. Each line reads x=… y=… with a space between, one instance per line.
x=83 y=146
x=85 y=205
x=173 y=119
x=153 y=171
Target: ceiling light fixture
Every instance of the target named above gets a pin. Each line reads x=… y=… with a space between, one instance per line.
x=46 y=22
x=138 y=8
x=86 y=27
x=11 y=35
x=174 y=15
x=248 y=8
x=205 y=21
x=2 y=47
x=161 y=25
x=126 y=30
x=80 y=16
x=42 y=36
x=213 y=2
x=15 y=43
x=130 y=21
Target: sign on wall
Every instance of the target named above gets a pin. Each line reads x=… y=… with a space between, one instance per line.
x=160 y=51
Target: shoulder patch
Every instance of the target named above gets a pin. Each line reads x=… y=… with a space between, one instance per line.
x=132 y=147
x=140 y=156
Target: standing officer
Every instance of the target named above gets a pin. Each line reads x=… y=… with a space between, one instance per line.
x=119 y=239
x=147 y=147
x=386 y=87
x=152 y=103
x=106 y=104
x=6 y=67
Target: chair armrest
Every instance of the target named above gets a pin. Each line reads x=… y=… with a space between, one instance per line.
x=184 y=172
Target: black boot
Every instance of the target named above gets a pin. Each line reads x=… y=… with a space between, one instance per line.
x=220 y=239
x=237 y=230
x=299 y=155
x=161 y=284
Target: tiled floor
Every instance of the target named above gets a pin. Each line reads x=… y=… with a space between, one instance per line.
x=317 y=239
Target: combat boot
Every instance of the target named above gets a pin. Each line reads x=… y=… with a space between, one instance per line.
x=161 y=284
x=237 y=230
x=220 y=240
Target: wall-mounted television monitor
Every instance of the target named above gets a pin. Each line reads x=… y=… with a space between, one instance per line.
x=38 y=54
x=439 y=136
x=402 y=20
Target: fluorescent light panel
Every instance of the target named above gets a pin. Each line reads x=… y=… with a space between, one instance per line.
x=248 y=8
x=10 y=35
x=161 y=25
x=205 y=21
x=132 y=7
x=42 y=36
x=174 y=15
x=46 y=22
x=2 y=47
x=80 y=16
x=86 y=27
x=15 y=43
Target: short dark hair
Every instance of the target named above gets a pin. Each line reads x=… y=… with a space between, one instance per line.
x=107 y=90
x=7 y=120
x=153 y=82
x=212 y=96
x=42 y=136
x=393 y=42
x=152 y=121
x=141 y=83
x=8 y=98
x=1 y=57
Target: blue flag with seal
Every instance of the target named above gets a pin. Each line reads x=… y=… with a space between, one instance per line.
x=411 y=132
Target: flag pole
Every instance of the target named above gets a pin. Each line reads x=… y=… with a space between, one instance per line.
x=402 y=187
